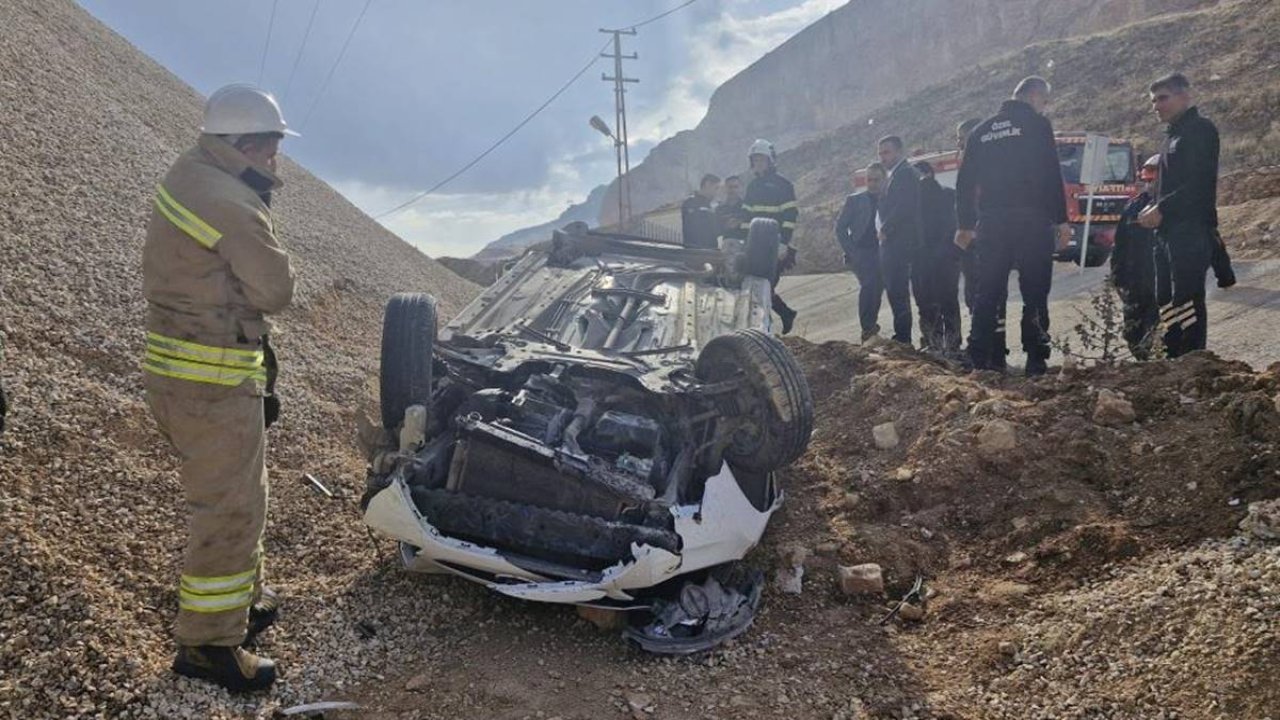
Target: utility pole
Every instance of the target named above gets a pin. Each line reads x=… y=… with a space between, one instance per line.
x=623 y=152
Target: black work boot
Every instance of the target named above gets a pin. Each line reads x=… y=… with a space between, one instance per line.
x=233 y=668
x=1036 y=366
x=788 y=319
x=262 y=615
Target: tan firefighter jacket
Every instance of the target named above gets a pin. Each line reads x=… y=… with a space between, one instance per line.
x=212 y=270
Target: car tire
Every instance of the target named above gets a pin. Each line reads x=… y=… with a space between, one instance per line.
x=763 y=239
x=776 y=404
x=408 y=339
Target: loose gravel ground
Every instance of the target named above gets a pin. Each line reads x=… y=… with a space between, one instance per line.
x=1086 y=571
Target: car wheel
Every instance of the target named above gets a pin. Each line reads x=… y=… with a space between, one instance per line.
x=408 y=337
x=763 y=238
x=773 y=412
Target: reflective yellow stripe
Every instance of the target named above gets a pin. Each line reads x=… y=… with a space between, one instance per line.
x=771 y=208
x=185 y=220
x=789 y=225
x=215 y=603
x=187 y=350
x=223 y=583
x=200 y=372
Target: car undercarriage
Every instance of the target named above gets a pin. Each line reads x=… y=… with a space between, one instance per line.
x=600 y=427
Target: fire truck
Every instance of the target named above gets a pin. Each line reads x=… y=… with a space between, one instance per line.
x=1119 y=186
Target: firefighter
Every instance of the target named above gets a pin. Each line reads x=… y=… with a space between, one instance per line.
x=856 y=236
x=731 y=214
x=1184 y=213
x=212 y=271
x=1133 y=267
x=769 y=195
x=1010 y=189
x=698 y=226
x=936 y=279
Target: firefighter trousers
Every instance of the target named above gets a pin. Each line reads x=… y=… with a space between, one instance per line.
x=1186 y=251
x=219 y=435
x=1008 y=242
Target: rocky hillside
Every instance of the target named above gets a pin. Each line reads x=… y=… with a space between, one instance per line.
x=858 y=58
x=91 y=512
x=1100 y=84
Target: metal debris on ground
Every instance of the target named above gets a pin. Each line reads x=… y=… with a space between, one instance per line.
x=316 y=710
x=914 y=592
x=319 y=486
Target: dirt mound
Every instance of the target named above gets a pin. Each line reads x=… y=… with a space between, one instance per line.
x=1031 y=509
x=990 y=468
x=91 y=514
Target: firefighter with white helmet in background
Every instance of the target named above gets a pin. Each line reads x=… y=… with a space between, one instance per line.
x=769 y=195
x=1134 y=267
x=212 y=271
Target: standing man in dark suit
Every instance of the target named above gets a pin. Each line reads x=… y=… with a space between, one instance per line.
x=898 y=228
x=936 y=268
x=1010 y=189
x=1184 y=214
x=856 y=235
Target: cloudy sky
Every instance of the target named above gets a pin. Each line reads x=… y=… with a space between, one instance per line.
x=426 y=85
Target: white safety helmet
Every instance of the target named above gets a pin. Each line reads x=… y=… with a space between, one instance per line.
x=762 y=147
x=243 y=109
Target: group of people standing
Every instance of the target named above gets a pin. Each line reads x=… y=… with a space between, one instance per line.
x=906 y=236
x=769 y=195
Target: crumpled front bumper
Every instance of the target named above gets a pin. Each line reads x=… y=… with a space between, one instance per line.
x=721 y=529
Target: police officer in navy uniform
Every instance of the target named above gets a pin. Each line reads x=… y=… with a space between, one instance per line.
x=1010 y=191
x=1184 y=213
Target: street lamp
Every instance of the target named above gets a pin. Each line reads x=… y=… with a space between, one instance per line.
x=602 y=127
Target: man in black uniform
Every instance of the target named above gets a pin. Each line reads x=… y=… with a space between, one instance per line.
x=698 y=226
x=1184 y=214
x=772 y=196
x=967 y=269
x=856 y=236
x=1133 y=267
x=936 y=266
x=1010 y=188
x=898 y=225
x=731 y=214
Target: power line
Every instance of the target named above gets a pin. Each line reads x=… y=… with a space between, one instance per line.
x=341 y=53
x=476 y=160
x=658 y=17
x=306 y=35
x=266 y=45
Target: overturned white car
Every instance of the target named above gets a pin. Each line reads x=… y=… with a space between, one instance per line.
x=599 y=427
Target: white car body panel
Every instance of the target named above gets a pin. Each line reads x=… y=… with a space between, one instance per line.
x=723 y=528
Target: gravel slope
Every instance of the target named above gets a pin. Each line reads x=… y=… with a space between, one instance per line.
x=91 y=518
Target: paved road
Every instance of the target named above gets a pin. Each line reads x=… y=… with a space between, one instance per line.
x=1244 y=321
